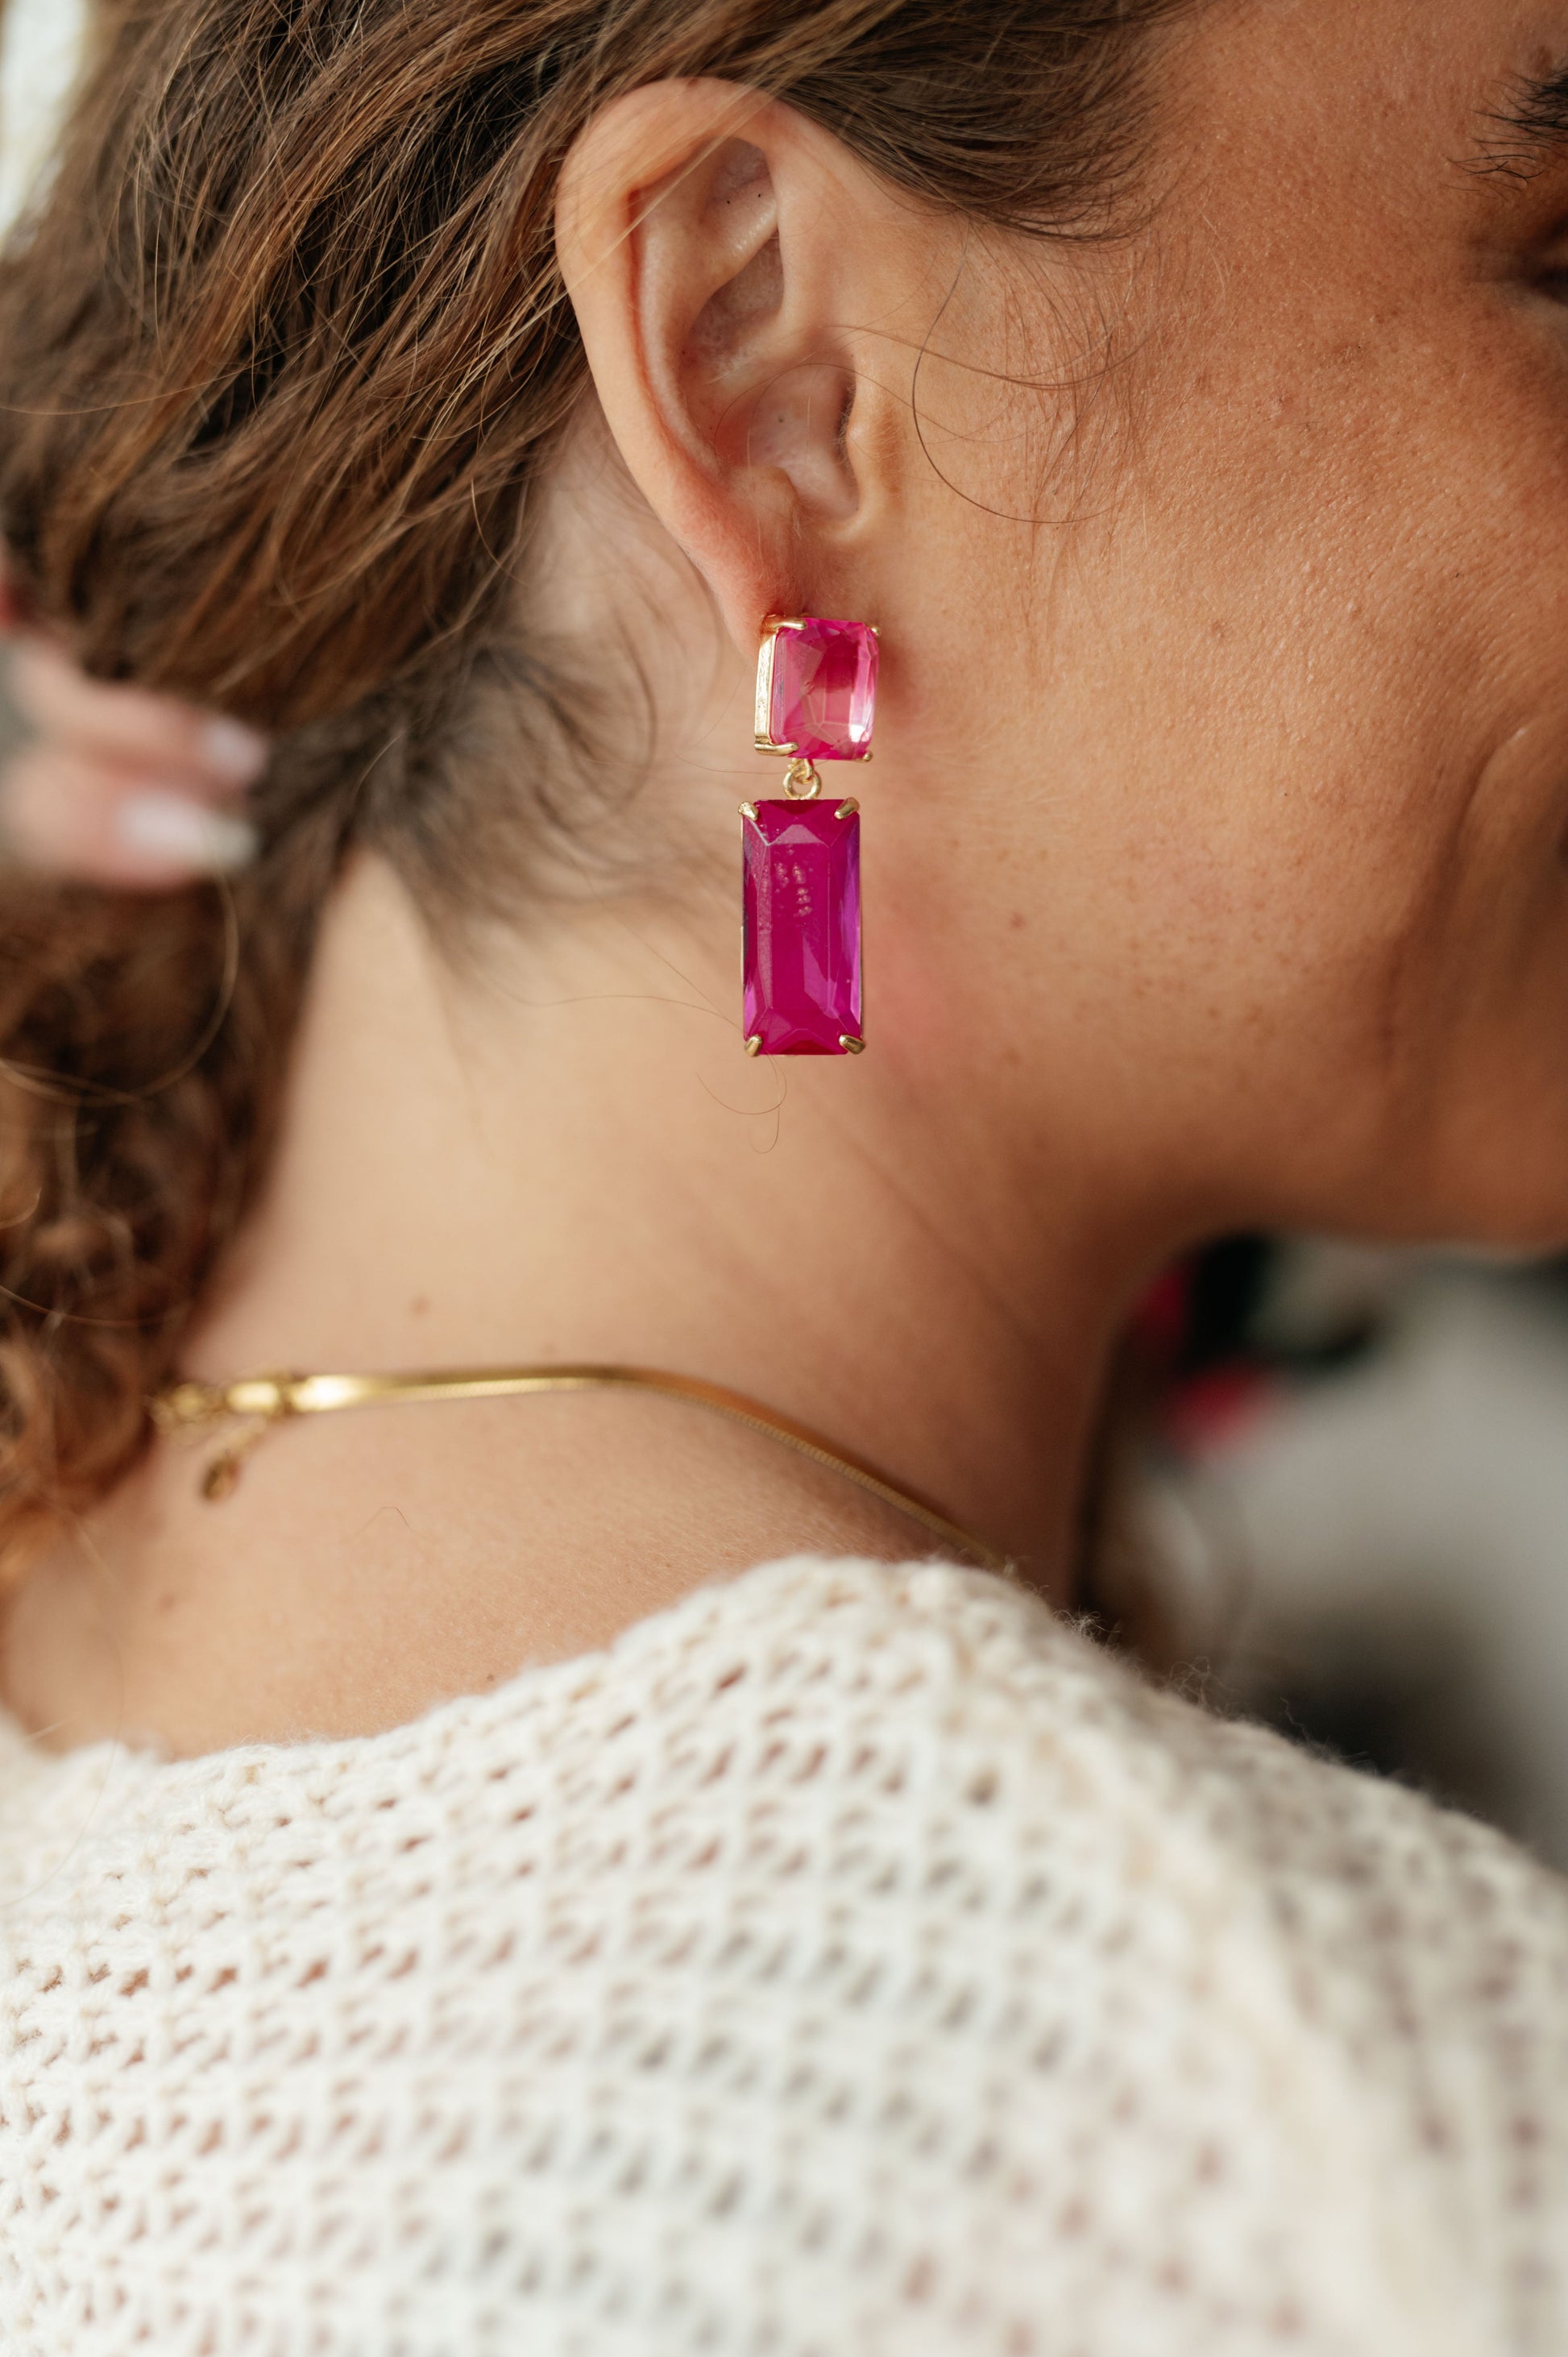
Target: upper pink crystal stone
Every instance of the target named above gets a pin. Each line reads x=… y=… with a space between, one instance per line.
x=824 y=697
x=801 y=911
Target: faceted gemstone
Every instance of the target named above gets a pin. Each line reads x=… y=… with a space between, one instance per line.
x=825 y=689
x=800 y=904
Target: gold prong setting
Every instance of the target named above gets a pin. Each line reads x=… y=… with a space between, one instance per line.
x=851 y=1046
x=763 y=739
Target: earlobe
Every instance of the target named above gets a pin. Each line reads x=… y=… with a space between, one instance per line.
x=697 y=240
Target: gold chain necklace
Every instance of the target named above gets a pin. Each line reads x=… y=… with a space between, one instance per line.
x=256 y=1403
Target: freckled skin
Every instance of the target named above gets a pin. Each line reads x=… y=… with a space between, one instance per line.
x=1305 y=658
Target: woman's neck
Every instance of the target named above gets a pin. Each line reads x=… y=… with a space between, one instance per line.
x=562 y=1155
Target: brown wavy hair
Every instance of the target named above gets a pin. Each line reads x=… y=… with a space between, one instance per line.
x=282 y=349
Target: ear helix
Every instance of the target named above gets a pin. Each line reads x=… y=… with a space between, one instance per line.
x=800 y=928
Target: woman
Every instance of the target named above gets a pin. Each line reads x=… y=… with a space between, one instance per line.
x=567 y=1873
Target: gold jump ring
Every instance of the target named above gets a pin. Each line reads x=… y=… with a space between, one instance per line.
x=802 y=782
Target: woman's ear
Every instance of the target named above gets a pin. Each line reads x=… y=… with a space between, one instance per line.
x=716 y=246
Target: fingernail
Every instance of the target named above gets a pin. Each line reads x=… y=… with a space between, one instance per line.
x=168 y=826
x=232 y=749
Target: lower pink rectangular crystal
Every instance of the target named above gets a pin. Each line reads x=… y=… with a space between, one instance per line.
x=801 y=905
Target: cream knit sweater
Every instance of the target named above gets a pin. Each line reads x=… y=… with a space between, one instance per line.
x=851 y=1960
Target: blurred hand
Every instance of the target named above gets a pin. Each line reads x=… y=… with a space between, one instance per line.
x=113 y=785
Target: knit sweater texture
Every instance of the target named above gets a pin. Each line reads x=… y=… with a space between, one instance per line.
x=852 y=1959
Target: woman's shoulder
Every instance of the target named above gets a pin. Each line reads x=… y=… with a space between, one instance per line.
x=1395 y=1923
x=866 y=1918
x=935 y=1742
x=1262 y=1962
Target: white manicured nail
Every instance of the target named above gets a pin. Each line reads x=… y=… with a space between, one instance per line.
x=168 y=826
x=232 y=749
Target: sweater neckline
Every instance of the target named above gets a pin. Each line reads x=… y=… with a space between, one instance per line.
x=804 y=1582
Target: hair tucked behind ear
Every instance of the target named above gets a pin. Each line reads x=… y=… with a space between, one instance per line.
x=280 y=354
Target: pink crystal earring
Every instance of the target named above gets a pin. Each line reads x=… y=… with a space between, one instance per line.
x=816 y=700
